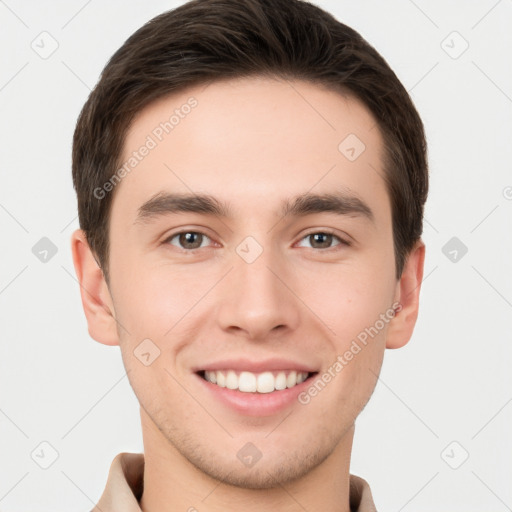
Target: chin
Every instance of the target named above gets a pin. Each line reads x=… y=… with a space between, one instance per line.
x=272 y=470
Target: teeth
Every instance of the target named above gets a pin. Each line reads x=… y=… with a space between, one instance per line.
x=302 y=377
x=249 y=382
x=231 y=380
x=291 y=380
x=216 y=378
x=266 y=382
x=280 y=381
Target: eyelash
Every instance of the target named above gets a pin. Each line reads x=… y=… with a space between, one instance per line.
x=342 y=241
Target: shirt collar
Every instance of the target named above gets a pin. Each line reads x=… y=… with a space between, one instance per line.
x=125 y=483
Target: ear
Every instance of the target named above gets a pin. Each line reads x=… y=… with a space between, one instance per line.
x=407 y=295
x=96 y=300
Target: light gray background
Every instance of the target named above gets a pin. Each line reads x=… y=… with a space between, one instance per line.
x=452 y=382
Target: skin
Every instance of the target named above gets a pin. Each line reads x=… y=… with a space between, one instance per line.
x=251 y=143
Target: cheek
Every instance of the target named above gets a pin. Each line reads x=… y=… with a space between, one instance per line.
x=348 y=299
x=150 y=302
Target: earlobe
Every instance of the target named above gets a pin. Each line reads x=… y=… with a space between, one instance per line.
x=96 y=300
x=407 y=296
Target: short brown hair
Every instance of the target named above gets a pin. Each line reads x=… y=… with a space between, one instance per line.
x=207 y=40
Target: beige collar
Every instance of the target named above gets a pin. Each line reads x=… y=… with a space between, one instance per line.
x=125 y=483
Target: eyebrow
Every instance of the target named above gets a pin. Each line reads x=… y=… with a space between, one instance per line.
x=164 y=203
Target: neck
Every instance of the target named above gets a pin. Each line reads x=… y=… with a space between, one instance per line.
x=171 y=483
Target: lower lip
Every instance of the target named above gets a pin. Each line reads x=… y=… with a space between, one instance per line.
x=256 y=404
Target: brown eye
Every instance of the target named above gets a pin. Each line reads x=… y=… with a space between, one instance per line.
x=188 y=240
x=323 y=240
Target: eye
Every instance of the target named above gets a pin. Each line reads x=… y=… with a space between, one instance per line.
x=323 y=240
x=188 y=240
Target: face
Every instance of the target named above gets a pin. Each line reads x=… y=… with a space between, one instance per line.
x=269 y=275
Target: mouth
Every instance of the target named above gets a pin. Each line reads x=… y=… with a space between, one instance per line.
x=250 y=382
x=254 y=386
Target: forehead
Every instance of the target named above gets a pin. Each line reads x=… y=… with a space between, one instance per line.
x=251 y=141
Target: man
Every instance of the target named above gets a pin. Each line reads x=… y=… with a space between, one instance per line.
x=251 y=177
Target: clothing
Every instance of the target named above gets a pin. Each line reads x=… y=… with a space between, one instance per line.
x=125 y=484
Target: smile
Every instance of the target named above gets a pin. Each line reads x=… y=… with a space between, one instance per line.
x=249 y=382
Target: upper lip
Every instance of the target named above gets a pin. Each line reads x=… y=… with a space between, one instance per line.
x=253 y=366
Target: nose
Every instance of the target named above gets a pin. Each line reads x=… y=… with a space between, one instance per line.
x=258 y=299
